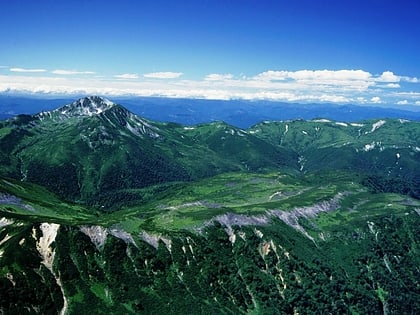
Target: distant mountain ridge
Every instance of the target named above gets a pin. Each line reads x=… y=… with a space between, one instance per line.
x=239 y=113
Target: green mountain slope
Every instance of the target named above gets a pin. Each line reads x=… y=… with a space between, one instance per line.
x=92 y=148
x=262 y=243
x=385 y=152
x=105 y=212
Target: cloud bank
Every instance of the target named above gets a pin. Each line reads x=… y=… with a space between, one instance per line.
x=163 y=75
x=127 y=76
x=332 y=86
x=27 y=70
x=70 y=72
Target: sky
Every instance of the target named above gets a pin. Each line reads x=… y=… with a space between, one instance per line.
x=303 y=51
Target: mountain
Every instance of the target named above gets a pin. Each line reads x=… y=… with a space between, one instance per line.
x=104 y=211
x=93 y=147
x=383 y=149
x=239 y=113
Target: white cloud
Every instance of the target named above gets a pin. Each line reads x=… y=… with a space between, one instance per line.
x=376 y=100
x=70 y=72
x=272 y=75
x=163 y=75
x=27 y=70
x=334 y=86
x=417 y=102
x=404 y=102
x=393 y=85
x=331 y=80
x=329 y=75
x=410 y=79
x=388 y=76
x=315 y=75
x=218 y=77
x=129 y=76
x=411 y=94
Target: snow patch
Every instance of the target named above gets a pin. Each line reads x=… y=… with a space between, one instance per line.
x=369 y=147
x=377 y=125
x=373 y=145
x=341 y=124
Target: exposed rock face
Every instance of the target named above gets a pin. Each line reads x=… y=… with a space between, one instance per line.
x=97 y=234
x=49 y=232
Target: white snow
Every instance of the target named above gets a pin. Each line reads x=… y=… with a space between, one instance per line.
x=132 y=129
x=377 y=125
x=341 y=124
x=398 y=155
x=373 y=145
x=304 y=132
x=369 y=147
x=108 y=102
x=322 y=120
x=356 y=125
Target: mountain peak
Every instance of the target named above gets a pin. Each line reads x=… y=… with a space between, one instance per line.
x=87 y=106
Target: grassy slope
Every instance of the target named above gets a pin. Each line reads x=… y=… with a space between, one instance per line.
x=358 y=258
x=269 y=268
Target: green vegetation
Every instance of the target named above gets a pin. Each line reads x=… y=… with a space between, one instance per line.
x=109 y=213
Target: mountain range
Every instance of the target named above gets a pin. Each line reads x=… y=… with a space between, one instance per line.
x=239 y=113
x=108 y=211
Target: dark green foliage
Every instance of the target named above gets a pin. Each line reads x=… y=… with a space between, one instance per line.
x=61 y=179
x=268 y=269
x=359 y=257
x=379 y=184
x=26 y=286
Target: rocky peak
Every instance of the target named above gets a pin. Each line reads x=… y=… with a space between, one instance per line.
x=87 y=106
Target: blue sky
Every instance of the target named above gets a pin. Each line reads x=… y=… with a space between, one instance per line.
x=364 y=52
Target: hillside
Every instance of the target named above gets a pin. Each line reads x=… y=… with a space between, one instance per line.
x=104 y=211
x=93 y=147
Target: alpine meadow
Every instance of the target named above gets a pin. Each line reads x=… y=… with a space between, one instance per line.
x=106 y=211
